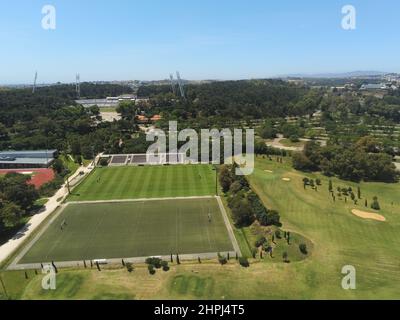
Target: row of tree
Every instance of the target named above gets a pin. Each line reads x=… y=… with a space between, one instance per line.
x=244 y=203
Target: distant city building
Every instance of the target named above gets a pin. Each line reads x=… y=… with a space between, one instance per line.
x=373 y=86
x=27 y=159
x=108 y=102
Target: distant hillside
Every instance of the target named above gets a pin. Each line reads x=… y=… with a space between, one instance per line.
x=353 y=74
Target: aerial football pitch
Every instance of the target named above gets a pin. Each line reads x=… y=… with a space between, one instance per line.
x=138 y=220
x=147 y=182
x=111 y=230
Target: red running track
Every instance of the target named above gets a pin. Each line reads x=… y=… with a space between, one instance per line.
x=38 y=176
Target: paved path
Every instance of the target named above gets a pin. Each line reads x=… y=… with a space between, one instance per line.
x=53 y=203
x=81 y=264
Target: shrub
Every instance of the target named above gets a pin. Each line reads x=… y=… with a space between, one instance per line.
x=151 y=269
x=244 y=262
x=129 y=267
x=260 y=241
x=375 y=204
x=303 y=248
x=278 y=234
x=164 y=265
x=155 y=262
x=267 y=247
x=222 y=259
x=103 y=162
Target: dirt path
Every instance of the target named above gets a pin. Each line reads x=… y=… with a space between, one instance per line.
x=276 y=143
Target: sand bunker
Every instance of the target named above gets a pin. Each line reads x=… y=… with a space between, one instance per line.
x=269 y=171
x=368 y=215
x=286 y=179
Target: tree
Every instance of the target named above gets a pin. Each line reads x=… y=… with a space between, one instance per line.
x=222 y=259
x=10 y=214
x=375 y=204
x=359 y=192
x=225 y=178
x=301 y=162
x=129 y=267
x=330 y=186
x=260 y=241
x=242 y=213
x=164 y=265
x=306 y=182
x=156 y=262
x=244 y=262
x=271 y=218
x=103 y=162
x=151 y=269
x=235 y=187
x=58 y=166
x=15 y=189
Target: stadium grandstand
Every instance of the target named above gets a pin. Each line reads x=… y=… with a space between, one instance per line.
x=27 y=159
x=145 y=159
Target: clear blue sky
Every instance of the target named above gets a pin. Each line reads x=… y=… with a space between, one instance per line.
x=204 y=39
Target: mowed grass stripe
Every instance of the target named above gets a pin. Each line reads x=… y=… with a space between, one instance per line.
x=138 y=181
x=146 y=182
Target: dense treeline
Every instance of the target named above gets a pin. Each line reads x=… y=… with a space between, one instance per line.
x=360 y=161
x=246 y=99
x=22 y=105
x=50 y=118
x=340 y=107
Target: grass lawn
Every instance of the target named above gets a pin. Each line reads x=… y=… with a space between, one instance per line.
x=338 y=237
x=108 y=109
x=146 y=182
x=132 y=229
x=70 y=164
x=289 y=143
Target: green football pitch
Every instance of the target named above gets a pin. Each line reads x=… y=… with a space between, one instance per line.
x=146 y=182
x=132 y=229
